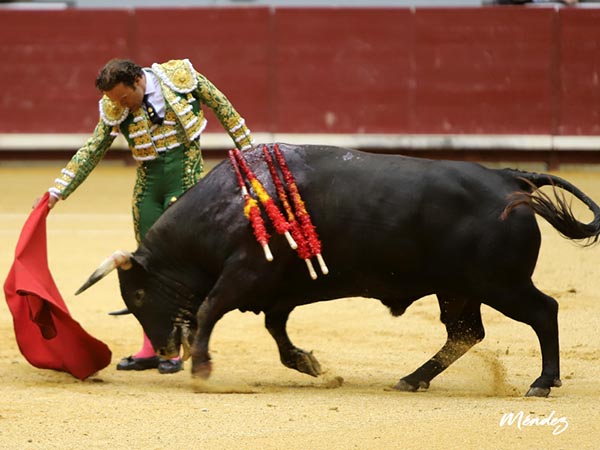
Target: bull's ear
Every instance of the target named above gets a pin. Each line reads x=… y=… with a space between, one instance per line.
x=119 y=258
x=139 y=259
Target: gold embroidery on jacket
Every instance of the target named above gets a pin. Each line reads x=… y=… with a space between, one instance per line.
x=179 y=75
x=84 y=160
x=193 y=166
x=139 y=133
x=140 y=185
x=112 y=113
x=192 y=123
x=170 y=126
x=224 y=110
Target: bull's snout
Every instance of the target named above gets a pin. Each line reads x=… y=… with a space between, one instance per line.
x=166 y=353
x=180 y=338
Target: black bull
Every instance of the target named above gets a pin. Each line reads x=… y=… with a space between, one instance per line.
x=393 y=228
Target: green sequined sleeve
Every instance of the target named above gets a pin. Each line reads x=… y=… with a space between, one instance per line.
x=233 y=123
x=84 y=161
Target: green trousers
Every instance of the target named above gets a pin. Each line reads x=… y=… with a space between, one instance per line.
x=161 y=181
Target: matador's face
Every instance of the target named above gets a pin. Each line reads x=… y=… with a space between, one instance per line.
x=127 y=96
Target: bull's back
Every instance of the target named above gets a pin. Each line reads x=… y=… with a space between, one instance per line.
x=418 y=217
x=385 y=217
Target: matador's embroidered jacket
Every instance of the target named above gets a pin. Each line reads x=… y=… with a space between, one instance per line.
x=184 y=90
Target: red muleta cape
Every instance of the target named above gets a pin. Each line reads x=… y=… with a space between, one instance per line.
x=46 y=333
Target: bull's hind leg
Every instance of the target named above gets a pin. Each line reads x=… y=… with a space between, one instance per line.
x=540 y=311
x=465 y=329
x=290 y=355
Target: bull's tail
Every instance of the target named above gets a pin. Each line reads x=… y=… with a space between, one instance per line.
x=555 y=208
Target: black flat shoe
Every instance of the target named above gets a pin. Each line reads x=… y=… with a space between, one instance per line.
x=170 y=365
x=131 y=363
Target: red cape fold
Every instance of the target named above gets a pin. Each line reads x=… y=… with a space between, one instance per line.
x=47 y=335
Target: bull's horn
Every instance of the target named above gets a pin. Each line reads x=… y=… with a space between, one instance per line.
x=119 y=258
x=120 y=312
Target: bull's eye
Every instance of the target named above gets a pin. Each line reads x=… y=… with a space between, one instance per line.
x=139 y=297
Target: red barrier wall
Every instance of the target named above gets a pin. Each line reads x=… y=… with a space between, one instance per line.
x=579 y=72
x=343 y=70
x=49 y=61
x=484 y=71
x=340 y=70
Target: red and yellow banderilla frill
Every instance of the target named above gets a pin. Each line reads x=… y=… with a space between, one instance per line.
x=252 y=211
x=279 y=222
x=314 y=244
x=295 y=229
x=300 y=233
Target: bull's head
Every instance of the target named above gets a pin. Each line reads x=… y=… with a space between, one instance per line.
x=163 y=306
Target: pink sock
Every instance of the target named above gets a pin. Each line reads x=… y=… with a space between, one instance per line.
x=147 y=350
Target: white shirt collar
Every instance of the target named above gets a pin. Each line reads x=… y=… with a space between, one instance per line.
x=151 y=83
x=154 y=92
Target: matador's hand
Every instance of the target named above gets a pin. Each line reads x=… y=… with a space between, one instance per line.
x=51 y=201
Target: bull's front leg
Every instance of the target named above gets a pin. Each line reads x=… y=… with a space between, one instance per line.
x=290 y=355
x=206 y=317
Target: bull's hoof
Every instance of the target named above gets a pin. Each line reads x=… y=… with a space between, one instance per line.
x=405 y=386
x=538 y=392
x=303 y=362
x=201 y=370
x=541 y=386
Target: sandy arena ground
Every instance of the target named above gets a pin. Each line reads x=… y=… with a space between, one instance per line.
x=252 y=401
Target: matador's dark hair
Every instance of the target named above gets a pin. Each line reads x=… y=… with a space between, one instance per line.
x=118 y=71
